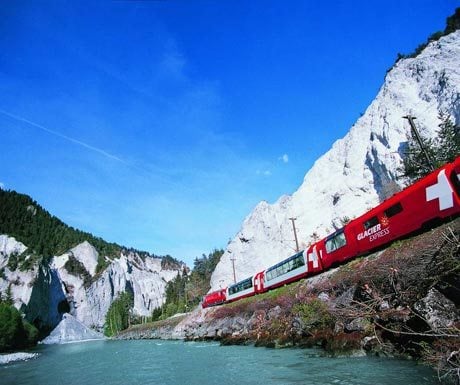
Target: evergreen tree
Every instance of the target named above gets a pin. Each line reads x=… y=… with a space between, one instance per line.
x=444 y=148
x=448 y=140
x=415 y=162
x=118 y=316
x=453 y=22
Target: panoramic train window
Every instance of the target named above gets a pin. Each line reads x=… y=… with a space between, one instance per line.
x=240 y=286
x=285 y=266
x=393 y=210
x=335 y=241
x=371 y=223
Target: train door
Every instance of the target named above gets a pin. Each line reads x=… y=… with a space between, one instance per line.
x=313 y=259
x=259 y=282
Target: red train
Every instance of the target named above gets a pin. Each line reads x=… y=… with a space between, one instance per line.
x=429 y=200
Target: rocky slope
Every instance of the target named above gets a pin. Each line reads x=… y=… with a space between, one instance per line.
x=360 y=170
x=71 y=330
x=69 y=283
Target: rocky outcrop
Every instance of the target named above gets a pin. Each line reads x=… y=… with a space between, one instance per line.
x=439 y=312
x=47 y=301
x=89 y=302
x=18 y=283
x=360 y=169
x=69 y=283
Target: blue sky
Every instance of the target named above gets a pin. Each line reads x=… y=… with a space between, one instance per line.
x=159 y=125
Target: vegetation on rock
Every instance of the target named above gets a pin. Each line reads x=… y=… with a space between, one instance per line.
x=452 y=24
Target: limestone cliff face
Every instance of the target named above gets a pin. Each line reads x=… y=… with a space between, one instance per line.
x=359 y=170
x=45 y=293
x=144 y=278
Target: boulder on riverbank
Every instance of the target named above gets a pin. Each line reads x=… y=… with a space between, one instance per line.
x=71 y=330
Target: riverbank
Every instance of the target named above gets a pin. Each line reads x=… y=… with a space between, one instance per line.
x=13 y=357
x=401 y=301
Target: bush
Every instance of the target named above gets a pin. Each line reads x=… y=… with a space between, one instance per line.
x=314 y=314
x=75 y=267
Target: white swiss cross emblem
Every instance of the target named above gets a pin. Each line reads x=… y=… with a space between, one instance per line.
x=313 y=257
x=441 y=191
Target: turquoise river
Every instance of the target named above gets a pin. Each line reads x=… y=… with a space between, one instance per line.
x=189 y=363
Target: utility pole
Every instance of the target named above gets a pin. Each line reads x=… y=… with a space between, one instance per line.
x=419 y=140
x=295 y=233
x=233 y=265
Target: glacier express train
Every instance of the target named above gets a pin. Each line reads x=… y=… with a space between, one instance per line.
x=431 y=199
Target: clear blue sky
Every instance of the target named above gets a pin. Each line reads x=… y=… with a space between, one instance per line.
x=159 y=125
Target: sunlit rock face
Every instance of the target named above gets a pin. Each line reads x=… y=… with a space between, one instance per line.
x=45 y=293
x=89 y=303
x=359 y=170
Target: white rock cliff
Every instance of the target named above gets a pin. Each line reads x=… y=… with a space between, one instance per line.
x=46 y=293
x=359 y=170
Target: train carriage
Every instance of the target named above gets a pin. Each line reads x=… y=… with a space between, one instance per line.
x=215 y=298
x=291 y=269
x=426 y=202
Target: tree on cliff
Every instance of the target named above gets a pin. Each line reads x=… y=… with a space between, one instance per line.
x=444 y=148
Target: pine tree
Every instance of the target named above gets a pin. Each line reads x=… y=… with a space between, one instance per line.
x=118 y=316
x=448 y=140
x=444 y=148
x=415 y=163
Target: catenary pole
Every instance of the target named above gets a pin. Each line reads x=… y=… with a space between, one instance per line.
x=410 y=119
x=295 y=233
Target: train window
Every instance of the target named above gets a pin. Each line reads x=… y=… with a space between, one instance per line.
x=285 y=266
x=240 y=286
x=371 y=223
x=454 y=179
x=335 y=241
x=393 y=210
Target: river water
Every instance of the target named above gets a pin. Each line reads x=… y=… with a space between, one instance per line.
x=189 y=363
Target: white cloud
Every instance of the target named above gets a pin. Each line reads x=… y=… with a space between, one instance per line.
x=264 y=172
x=2 y=185
x=284 y=158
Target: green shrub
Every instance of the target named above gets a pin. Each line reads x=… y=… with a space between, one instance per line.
x=314 y=314
x=75 y=267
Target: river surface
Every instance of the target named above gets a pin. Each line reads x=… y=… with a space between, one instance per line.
x=189 y=363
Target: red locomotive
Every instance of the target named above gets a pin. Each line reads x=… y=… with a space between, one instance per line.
x=429 y=200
